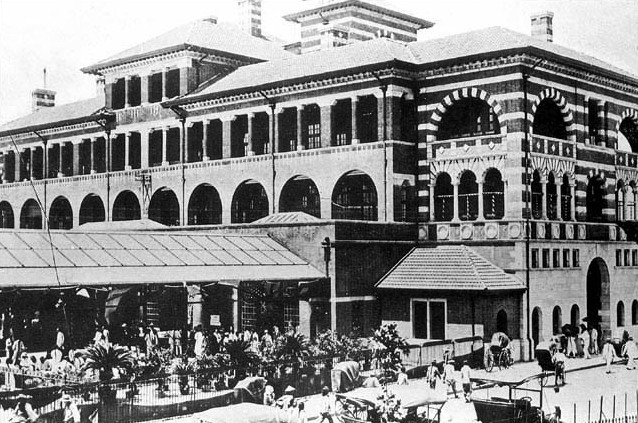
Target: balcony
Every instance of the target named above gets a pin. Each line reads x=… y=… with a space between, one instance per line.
x=463 y=146
x=553 y=147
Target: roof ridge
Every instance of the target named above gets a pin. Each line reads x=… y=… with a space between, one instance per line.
x=471 y=256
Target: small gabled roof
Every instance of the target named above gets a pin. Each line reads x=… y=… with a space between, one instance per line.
x=495 y=39
x=204 y=34
x=448 y=268
x=287 y=217
x=58 y=115
x=296 y=67
x=317 y=7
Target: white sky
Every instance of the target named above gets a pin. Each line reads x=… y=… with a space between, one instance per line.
x=65 y=35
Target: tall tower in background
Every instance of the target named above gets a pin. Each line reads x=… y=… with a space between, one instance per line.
x=250 y=16
x=41 y=97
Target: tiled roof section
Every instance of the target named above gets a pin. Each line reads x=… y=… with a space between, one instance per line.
x=205 y=34
x=448 y=268
x=290 y=217
x=57 y=114
x=315 y=63
x=102 y=258
x=496 y=39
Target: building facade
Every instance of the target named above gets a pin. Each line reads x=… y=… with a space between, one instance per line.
x=383 y=145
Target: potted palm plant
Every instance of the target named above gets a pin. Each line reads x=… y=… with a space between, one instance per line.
x=183 y=368
x=104 y=359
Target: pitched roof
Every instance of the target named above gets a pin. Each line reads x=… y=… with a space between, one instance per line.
x=355 y=55
x=205 y=34
x=125 y=258
x=57 y=114
x=496 y=39
x=448 y=267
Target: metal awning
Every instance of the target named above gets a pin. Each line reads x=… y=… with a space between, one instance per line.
x=29 y=260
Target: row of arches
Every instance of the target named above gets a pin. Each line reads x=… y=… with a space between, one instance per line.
x=354 y=197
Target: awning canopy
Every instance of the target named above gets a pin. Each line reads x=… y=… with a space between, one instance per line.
x=448 y=268
x=29 y=260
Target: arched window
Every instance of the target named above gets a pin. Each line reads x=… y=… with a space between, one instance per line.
x=30 y=215
x=468 y=117
x=6 y=215
x=566 y=199
x=300 y=194
x=628 y=135
x=126 y=207
x=620 y=201
x=61 y=214
x=552 y=198
x=91 y=209
x=557 y=320
x=548 y=120
x=204 y=206
x=468 y=196
x=250 y=203
x=620 y=314
x=354 y=197
x=630 y=202
x=164 y=207
x=575 y=315
x=634 y=312
x=595 y=198
x=443 y=198
x=493 y=195
x=501 y=321
x=537 y=195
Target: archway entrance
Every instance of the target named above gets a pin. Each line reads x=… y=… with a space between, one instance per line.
x=91 y=209
x=164 y=207
x=598 y=296
x=126 y=207
x=61 y=214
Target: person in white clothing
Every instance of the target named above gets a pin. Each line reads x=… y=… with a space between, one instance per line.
x=608 y=355
x=199 y=342
x=630 y=350
x=466 y=380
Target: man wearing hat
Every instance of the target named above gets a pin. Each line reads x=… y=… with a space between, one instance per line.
x=630 y=350
x=70 y=412
x=608 y=354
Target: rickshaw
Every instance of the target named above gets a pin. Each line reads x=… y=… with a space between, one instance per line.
x=544 y=356
x=499 y=352
x=245 y=413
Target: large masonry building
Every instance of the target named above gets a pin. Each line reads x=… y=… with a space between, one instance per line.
x=458 y=186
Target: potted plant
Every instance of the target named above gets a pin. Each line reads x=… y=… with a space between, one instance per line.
x=183 y=368
x=105 y=359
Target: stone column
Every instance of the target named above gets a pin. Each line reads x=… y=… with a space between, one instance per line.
x=559 y=201
x=481 y=205
x=93 y=141
x=46 y=159
x=305 y=317
x=76 y=157
x=635 y=204
x=226 y=132
x=431 y=201
x=17 y=166
x=195 y=303
x=326 y=125
x=144 y=88
x=455 y=201
x=127 y=91
x=354 y=101
x=144 y=141
x=183 y=81
x=127 y=151
x=544 y=198
x=236 y=309
x=164 y=85
x=187 y=142
x=572 y=200
x=61 y=160
x=274 y=142
x=164 y=145
x=4 y=167
x=248 y=140
x=300 y=145
x=205 y=125
x=31 y=157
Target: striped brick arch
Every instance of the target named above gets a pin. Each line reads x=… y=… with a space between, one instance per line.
x=555 y=95
x=627 y=113
x=457 y=95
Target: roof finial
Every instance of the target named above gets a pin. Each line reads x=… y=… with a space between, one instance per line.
x=44 y=74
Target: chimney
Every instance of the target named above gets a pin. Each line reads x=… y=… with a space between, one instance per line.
x=41 y=97
x=250 y=16
x=542 y=28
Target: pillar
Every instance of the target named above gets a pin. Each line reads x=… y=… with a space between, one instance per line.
x=600 y=109
x=559 y=201
x=481 y=206
x=274 y=137
x=354 y=101
x=572 y=201
x=187 y=141
x=380 y=121
x=144 y=88
x=164 y=85
x=248 y=140
x=544 y=198
x=431 y=200
x=236 y=308
x=31 y=157
x=326 y=126
x=300 y=145
x=16 y=158
x=127 y=151
x=144 y=139
x=127 y=91
x=183 y=81
x=196 y=305
x=205 y=125
x=60 y=160
x=226 y=126
x=635 y=194
x=93 y=141
x=76 y=157
x=305 y=317
x=4 y=167
x=164 y=145
x=455 y=201
x=46 y=157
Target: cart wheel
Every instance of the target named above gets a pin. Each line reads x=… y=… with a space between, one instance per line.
x=489 y=362
x=503 y=361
